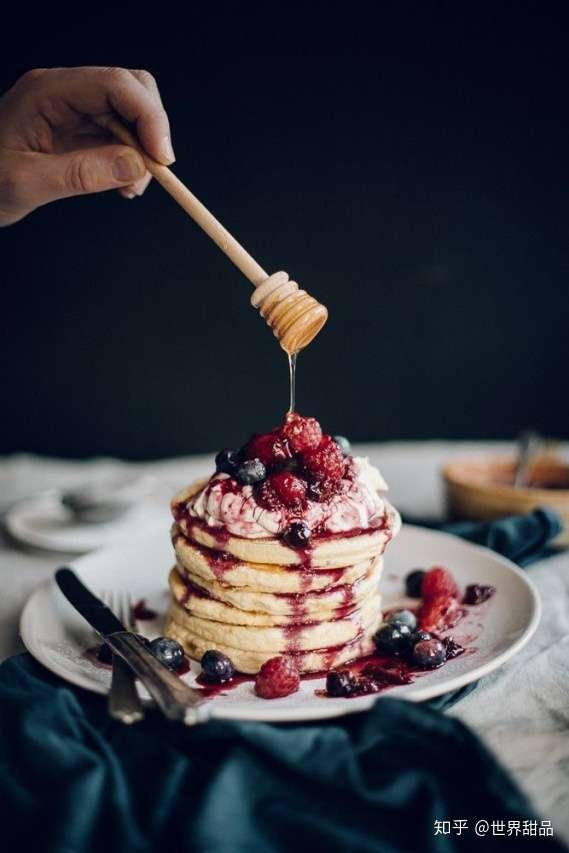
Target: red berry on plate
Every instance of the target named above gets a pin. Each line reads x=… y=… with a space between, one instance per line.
x=439 y=613
x=271 y=448
x=326 y=462
x=277 y=677
x=302 y=433
x=439 y=582
x=477 y=593
x=290 y=489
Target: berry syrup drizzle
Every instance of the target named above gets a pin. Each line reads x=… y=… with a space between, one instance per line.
x=218 y=561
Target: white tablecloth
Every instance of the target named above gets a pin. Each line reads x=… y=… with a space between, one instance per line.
x=521 y=711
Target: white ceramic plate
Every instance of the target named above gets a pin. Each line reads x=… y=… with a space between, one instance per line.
x=492 y=632
x=42 y=522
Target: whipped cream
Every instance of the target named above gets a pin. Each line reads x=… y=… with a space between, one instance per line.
x=358 y=505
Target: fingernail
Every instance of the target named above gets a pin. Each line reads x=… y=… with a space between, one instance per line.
x=167 y=151
x=129 y=194
x=128 y=167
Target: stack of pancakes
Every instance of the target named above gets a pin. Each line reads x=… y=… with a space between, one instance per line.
x=253 y=599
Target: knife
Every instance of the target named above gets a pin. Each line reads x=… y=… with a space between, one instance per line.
x=177 y=700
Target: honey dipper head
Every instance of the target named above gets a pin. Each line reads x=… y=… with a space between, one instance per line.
x=294 y=316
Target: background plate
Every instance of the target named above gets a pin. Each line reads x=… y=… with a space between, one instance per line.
x=492 y=632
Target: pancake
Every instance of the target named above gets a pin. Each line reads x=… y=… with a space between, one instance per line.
x=243 y=606
x=278 y=640
x=238 y=588
x=250 y=661
x=215 y=566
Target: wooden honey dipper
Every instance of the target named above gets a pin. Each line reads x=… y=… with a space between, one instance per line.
x=294 y=316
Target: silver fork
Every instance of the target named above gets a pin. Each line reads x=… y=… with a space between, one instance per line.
x=124 y=702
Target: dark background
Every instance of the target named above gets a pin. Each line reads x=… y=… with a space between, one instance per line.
x=407 y=164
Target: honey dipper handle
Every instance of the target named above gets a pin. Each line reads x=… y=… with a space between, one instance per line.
x=192 y=205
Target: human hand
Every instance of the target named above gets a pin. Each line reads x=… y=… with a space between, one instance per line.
x=51 y=146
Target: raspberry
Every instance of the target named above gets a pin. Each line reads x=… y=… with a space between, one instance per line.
x=323 y=490
x=439 y=582
x=302 y=433
x=439 y=613
x=266 y=496
x=326 y=462
x=277 y=677
x=290 y=489
x=270 y=448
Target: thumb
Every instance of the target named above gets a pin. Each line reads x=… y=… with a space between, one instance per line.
x=87 y=170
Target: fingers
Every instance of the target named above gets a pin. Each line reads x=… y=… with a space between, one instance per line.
x=136 y=189
x=51 y=146
x=150 y=84
x=93 y=91
x=87 y=170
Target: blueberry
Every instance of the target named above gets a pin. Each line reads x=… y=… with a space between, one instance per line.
x=250 y=472
x=392 y=639
x=343 y=444
x=339 y=682
x=413 y=583
x=227 y=461
x=403 y=617
x=167 y=651
x=418 y=636
x=297 y=535
x=428 y=654
x=217 y=667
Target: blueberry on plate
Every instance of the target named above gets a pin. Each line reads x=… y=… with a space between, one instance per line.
x=429 y=654
x=403 y=617
x=413 y=583
x=167 y=651
x=250 y=472
x=343 y=444
x=392 y=639
x=227 y=461
x=217 y=667
x=418 y=635
x=339 y=682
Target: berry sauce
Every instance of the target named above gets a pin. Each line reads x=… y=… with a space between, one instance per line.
x=142 y=613
x=218 y=561
x=210 y=690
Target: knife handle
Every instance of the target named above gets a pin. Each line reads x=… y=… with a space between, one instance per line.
x=174 y=697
